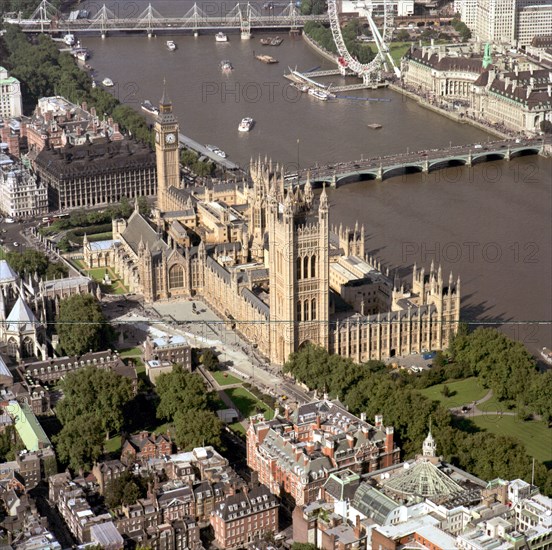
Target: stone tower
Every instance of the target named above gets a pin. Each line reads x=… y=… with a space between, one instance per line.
x=166 y=151
x=298 y=235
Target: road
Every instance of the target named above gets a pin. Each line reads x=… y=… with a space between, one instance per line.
x=421 y=156
x=206 y=329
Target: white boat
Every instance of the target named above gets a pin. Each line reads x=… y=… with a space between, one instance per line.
x=107 y=82
x=81 y=54
x=546 y=354
x=171 y=46
x=245 y=124
x=220 y=153
x=319 y=94
x=69 y=39
x=221 y=37
x=148 y=106
x=226 y=66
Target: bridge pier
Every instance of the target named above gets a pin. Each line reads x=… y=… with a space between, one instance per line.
x=333 y=184
x=508 y=154
x=425 y=167
x=469 y=161
x=379 y=175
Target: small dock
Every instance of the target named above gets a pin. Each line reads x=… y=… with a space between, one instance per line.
x=203 y=151
x=296 y=76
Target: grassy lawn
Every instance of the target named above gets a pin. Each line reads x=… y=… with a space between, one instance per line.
x=247 y=403
x=116 y=286
x=2 y=254
x=536 y=436
x=113 y=445
x=237 y=427
x=131 y=352
x=493 y=404
x=225 y=378
x=461 y=392
x=107 y=236
x=78 y=263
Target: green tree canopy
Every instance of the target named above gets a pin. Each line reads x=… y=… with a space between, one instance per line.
x=97 y=393
x=126 y=489
x=197 y=428
x=209 y=359
x=80 y=442
x=81 y=325
x=180 y=390
x=33 y=261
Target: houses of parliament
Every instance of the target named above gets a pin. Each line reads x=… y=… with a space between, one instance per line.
x=262 y=255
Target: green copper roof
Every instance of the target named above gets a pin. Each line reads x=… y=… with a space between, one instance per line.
x=28 y=428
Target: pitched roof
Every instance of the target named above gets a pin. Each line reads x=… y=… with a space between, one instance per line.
x=21 y=317
x=139 y=229
x=6 y=272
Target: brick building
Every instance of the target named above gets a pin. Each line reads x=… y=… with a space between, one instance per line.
x=296 y=453
x=244 y=517
x=143 y=446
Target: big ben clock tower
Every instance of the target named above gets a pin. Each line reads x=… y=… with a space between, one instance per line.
x=166 y=151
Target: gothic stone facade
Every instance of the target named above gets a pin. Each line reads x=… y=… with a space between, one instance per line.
x=263 y=262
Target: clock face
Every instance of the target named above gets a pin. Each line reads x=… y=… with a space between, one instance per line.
x=170 y=138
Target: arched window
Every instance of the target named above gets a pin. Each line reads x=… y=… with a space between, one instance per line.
x=13 y=347
x=313 y=308
x=305 y=267
x=306 y=310
x=313 y=265
x=176 y=276
x=299 y=310
x=298 y=265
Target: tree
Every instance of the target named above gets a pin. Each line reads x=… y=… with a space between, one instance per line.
x=180 y=390
x=126 y=489
x=80 y=442
x=209 y=360
x=97 y=393
x=402 y=36
x=196 y=429
x=445 y=391
x=81 y=325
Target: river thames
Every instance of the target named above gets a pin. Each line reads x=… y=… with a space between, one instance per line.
x=491 y=224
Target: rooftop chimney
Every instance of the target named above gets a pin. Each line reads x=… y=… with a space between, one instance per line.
x=379 y=421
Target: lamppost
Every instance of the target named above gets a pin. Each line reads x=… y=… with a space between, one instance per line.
x=298 y=141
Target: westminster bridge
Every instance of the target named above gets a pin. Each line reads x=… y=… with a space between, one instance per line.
x=381 y=168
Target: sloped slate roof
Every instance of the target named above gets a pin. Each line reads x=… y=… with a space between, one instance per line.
x=21 y=317
x=139 y=229
x=6 y=272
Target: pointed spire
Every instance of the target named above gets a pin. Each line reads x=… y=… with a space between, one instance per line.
x=165 y=98
x=323 y=199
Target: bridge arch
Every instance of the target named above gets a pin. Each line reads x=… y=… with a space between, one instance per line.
x=525 y=151
x=395 y=171
x=447 y=163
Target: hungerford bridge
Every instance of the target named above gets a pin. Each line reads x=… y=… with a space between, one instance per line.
x=245 y=17
x=381 y=168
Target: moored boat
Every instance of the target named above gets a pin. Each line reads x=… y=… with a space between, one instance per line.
x=546 y=354
x=265 y=41
x=171 y=46
x=319 y=94
x=221 y=37
x=245 y=124
x=149 y=107
x=266 y=59
x=107 y=82
x=276 y=41
x=375 y=126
